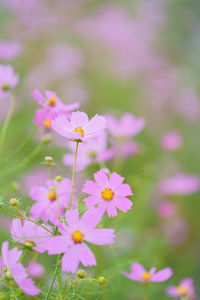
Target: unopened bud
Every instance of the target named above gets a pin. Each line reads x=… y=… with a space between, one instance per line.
x=8 y=275
x=13 y=202
x=48 y=160
x=80 y=273
x=101 y=280
x=59 y=178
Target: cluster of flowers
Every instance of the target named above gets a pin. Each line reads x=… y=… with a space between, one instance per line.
x=64 y=230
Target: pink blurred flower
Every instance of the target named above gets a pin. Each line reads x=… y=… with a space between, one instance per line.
x=184 y=289
x=74 y=234
x=44 y=118
x=35 y=270
x=8 y=79
x=171 y=141
x=176 y=231
x=51 y=102
x=79 y=128
x=10 y=268
x=180 y=184
x=108 y=192
x=9 y=50
x=50 y=200
x=165 y=209
x=138 y=273
x=127 y=126
x=29 y=234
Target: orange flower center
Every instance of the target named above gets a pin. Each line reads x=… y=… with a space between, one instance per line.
x=80 y=130
x=52 y=196
x=47 y=123
x=182 y=290
x=107 y=194
x=77 y=237
x=52 y=101
x=146 y=276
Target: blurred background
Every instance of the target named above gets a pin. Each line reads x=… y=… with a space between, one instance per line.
x=114 y=57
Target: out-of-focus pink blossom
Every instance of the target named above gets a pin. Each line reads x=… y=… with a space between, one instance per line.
x=44 y=118
x=176 y=231
x=171 y=141
x=165 y=209
x=35 y=270
x=184 y=289
x=8 y=79
x=9 y=50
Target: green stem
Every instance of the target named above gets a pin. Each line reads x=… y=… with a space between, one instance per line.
x=24 y=218
x=81 y=280
x=13 y=293
x=73 y=175
x=54 y=276
x=6 y=123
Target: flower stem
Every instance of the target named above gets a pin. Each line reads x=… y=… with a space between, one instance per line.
x=73 y=175
x=54 y=276
x=6 y=123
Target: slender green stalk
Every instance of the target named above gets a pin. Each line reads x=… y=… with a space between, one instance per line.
x=6 y=123
x=13 y=293
x=73 y=175
x=54 y=276
x=24 y=218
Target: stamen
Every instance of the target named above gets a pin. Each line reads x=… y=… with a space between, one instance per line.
x=146 y=276
x=80 y=130
x=107 y=194
x=52 y=196
x=77 y=237
x=47 y=123
x=182 y=290
x=52 y=101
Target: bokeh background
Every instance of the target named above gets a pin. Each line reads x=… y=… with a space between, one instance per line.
x=114 y=57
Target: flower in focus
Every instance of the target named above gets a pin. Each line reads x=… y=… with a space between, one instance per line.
x=8 y=79
x=50 y=200
x=108 y=192
x=171 y=141
x=138 y=273
x=184 y=289
x=35 y=269
x=11 y=269
x=79 y=128
x=180 y=184
x=51 y=102
x=74 y=234
x=29 y=234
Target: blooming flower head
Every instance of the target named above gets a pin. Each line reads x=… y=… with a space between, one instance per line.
x=184 y=289
x=29 y=234
x=171 y=141
x=11 y=269
x=138 y=273
x=8 y=79
x=180 y=184
x=50 y=200
x=79 y=127
x=108 y=192
x=51 y=102
x=35 y=270
x=74 y=235
x=44 y=118
x=127 y=126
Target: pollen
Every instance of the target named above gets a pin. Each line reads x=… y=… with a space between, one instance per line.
x=77 y=237
x=182 y=290
x=52 y=196
x=47 y=123
x=146 y=276
x=107 y=194
x=80 y=130
x=52 y=101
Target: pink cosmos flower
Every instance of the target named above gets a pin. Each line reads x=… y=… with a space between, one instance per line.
x=8 y=79
x=180 y=184
x=138 y=273
x=171 y=141
x=79 y=128
x=184 y=289
x=44 y=118
x=10 y=268
x=51 y=102
x=127 y=126
x=50 y=200
x=35 y=270
x=74 y=234
x=29 y=234
x=108 y=192
x=165 y=209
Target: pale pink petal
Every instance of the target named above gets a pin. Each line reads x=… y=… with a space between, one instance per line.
x=91 y=201
x=115 y=180
x=111 y=210
x=90 y=219
x=57 y=244
x=162 y=275
x=79 y=119
x=16 y=229
x=100 y=236
x=85 y=255
x=70 y=260
x=62 y=126
x=124 y=190
x=96 y=125
x=28 y=287
x=72 y=218
x=172 y=291
x=90 y=188
x=101 y=178
x=123 y=203
x=39 y=208
x=38 y=193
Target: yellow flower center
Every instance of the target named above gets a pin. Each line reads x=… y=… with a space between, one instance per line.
x=52 y=196
x=30 y=244
x=146 y=276
x=182 y=290
x=77 y=237
x=52 y=101
x=80 y=130
x=47 y=123
x=107 y=194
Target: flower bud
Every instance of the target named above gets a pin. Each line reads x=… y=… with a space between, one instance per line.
x=48 y=160
x=8 y=275
x=46 y=139
x=101 y=280
x=80 y=273
x=13 y=202
x=59 y=178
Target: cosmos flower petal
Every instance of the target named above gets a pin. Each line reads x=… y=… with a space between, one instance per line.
x=162 y=275
x=115 y=179
x=172 y=291
x=57 y=244
x=100 y=236
x=123 y=204
x=72 y=217
x=90 y=219
x=101 y=178
x=85 y=255
x=91 y=201
x=70 y=260
x=78 y=119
